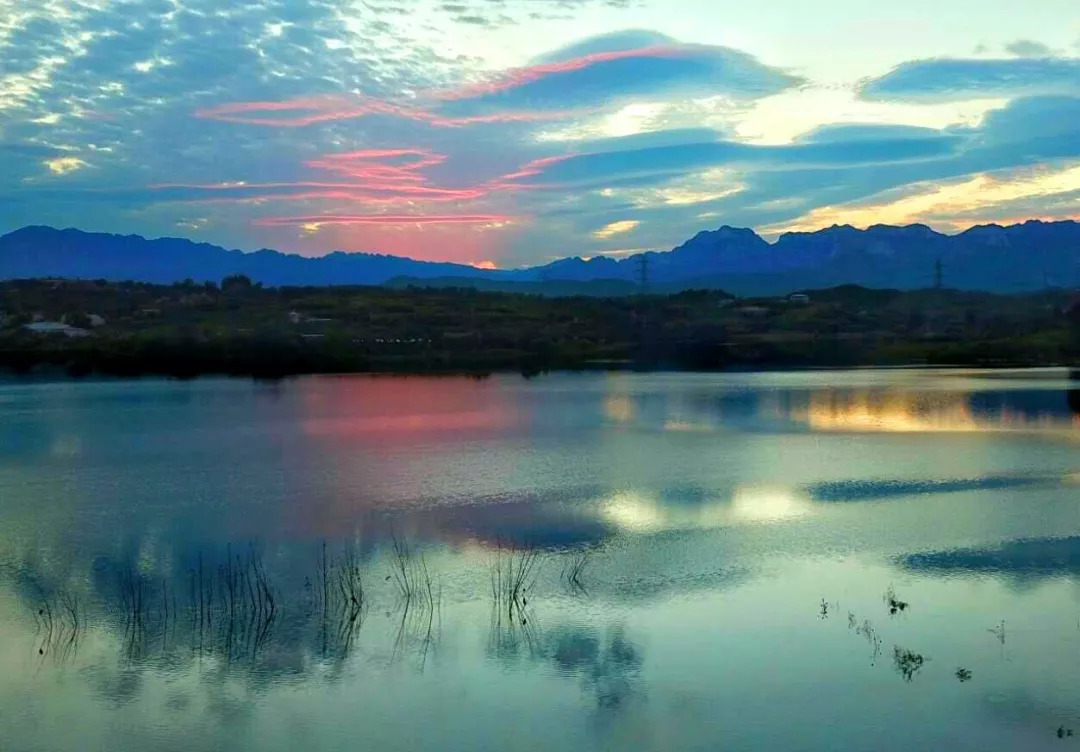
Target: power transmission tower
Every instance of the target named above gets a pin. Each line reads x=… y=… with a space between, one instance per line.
x=645 y=345
x=643 y=272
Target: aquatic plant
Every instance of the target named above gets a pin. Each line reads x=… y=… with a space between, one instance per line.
x=575 y=569
x=907 y=662
x=339 y=598
x=512 y=575
x=419 y=599
x=59 y=624
x=999 y=632
x=871 y=636
x=410 y=572
x=895 y=604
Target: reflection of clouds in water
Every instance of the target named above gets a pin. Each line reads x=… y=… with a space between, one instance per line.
x=767 y=504
x=536 y=520
x=904 y=411
x=920 y=406
x=878 y=489
x=1021 y=562
x=1022 y=707
x=114 y=686
x=638 y=512
x=682 y=425
x=607 y=665
x=66 y=445
x=884 y=410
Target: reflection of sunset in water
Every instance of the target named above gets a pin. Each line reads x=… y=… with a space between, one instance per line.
x=619 y=408
x=377 y=409
x=911 y=412
x=382 y=442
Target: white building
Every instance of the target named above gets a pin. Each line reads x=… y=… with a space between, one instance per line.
x=56 y=327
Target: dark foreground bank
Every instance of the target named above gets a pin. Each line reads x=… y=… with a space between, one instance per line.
x=237 y=328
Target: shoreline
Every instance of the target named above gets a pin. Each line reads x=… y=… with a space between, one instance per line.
x=58 y=375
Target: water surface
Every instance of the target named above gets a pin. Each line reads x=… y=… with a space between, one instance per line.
x=879 y=560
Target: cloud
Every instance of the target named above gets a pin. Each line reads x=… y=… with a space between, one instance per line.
x=64 y=165
x=615 y=228
x=26 y=150
x=650 y=163
x=1028 y=48
x=947 y=79
x=616 y=41
x=373 y=176
x=389 y=130
x=304 y=111
x=847 y=132
x=387 y=219
x=584 y=78
x=615 y=68
x=1025 y=133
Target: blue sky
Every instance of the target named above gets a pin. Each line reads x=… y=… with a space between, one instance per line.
x=511 y=132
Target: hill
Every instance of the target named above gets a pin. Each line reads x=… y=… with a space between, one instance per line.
x=1017 y=258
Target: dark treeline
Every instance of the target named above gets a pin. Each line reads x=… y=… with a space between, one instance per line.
x=240 y=328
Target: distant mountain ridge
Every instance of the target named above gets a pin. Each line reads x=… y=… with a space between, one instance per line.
x=1014 y=258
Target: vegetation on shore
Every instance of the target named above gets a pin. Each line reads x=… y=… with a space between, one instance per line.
x=240 y=328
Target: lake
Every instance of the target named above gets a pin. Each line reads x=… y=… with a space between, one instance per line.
x=849 y=560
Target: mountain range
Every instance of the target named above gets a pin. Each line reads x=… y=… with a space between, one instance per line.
x=996 y=258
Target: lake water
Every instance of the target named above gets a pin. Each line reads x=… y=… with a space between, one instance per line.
x=860 y=560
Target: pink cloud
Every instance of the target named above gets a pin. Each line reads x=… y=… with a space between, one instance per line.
x=386 y=219
x=383 y=176
x=528 y=170
x=307 y=111
x=530 y=74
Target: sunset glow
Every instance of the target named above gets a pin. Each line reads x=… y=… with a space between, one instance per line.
x=549 y=128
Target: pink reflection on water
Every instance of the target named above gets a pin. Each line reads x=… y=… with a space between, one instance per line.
x=396 y=443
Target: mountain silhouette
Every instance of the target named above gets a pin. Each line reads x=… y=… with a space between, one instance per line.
x=995 y=258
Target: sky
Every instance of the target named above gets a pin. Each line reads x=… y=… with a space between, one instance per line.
x=516 y=132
